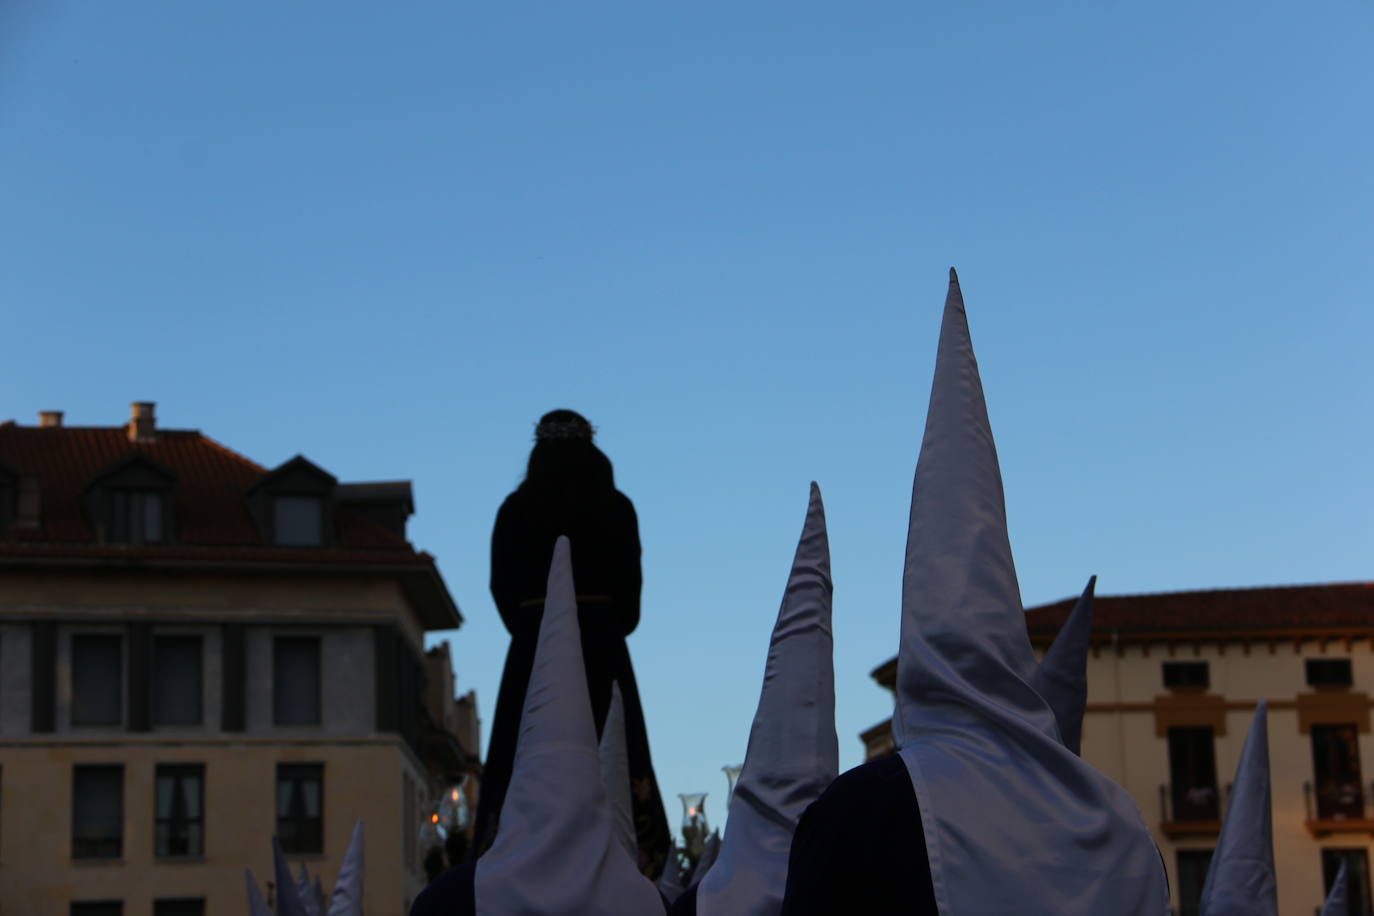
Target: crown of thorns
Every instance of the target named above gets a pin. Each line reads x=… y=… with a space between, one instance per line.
x=551 y=430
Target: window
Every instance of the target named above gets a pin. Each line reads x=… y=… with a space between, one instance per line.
x=178 y=813
x=1328 y=672
x=1356 y=876
x=409 y=819
x=300 y=805
x=1192 y=874
x=97 y=812
x=177 y=680
x=1193 y=774
x=296 y=680
x=1336 y=766
x=1186 y=674
x=97 y=908
x=296 y=521
x=136 y=516
x=97 y=679
x=184 y=906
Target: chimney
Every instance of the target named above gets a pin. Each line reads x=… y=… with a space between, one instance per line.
x=49 y=419
x=142 y=424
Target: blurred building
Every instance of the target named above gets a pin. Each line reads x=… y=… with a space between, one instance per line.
x=197 y=653
x=1173 y=680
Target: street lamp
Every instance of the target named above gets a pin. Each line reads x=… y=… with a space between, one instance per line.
x=731 y=777
x=694 y=828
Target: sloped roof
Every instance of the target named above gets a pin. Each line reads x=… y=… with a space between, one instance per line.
x=211 y=483
x=1238 y=610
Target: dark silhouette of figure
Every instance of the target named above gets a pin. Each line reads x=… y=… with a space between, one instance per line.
x=569 y=489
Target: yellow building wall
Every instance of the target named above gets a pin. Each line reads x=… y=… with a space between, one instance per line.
x=362 y=781
x=1120 y=739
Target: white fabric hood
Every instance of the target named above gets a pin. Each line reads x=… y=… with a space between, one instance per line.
x=1240 y=880
x=555 y=850
x=1062 y=678
x=1014 y=822
x=793 y=752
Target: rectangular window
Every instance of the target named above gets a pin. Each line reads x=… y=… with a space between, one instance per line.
x=300 y=807
x=178 y=812
x=97 y=679
x=297 y=521
x=97 y=908
x=183 y=906
x=177 y=688
x=1356 y=877
x=296 y=680
x=97 y=811
x=1193 y=774
x=1328 y=672
x=136 y=517
x=1336 y=766
x=1186 y=674
x=1192 y=874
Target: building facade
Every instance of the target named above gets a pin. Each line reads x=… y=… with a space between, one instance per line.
x=198 y=653
x=1173 y=681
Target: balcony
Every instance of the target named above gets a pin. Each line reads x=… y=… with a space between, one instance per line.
x=1337 y=807
x=1190 y=811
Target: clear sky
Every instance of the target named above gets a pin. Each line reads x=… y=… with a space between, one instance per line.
x=390 y=236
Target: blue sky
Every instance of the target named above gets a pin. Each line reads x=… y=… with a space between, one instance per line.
x=391 y=236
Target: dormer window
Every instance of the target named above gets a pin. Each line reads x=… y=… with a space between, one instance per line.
x=132 y=503
x=293 y=505
x=297 y=521
x=136 y=517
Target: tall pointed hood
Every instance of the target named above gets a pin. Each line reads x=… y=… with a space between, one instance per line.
x=347 y=899
x=1240 y=880
x=615 y=773
x=288 y=900
x=1013 y=821
x=555 y=850
x=670 y=882
x=1337 y=901
x=305 y=893
x=709 y=852
x=256 y=905
x=793 y=752
x=1062 y=678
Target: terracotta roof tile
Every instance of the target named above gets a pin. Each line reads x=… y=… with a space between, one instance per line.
x=1266 y=608
x=211 y=481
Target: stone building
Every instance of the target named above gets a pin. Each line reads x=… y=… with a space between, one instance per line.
x=1173 y=680
x=197 y=653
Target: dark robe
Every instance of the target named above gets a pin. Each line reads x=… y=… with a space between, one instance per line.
x=860 y=848
x=604 y=533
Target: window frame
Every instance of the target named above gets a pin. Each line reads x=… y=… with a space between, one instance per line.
x=1336 y=802
x=118 y=841
x=155 y=713
x=298 y=774
x=278 y=719
x=74 y=708
x=1184 y=810
x=178 y=772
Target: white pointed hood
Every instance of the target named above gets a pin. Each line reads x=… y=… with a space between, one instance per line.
x=709 y=852
x=1013 y=821
x=1240 y=880
x=288 y=900
x=347 y=899
x=555 y=850
x=1337 y=902
x=615 y=773
x=305 y=893
x=1062 y=678
x=256 y=905
x=670 y=882
x=793 y=751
